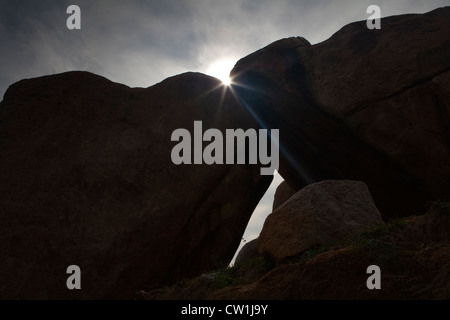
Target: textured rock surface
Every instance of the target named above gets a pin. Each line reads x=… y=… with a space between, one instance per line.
x=86 y=178
x=323 y=213
x=282 y=194
x=365 y=105
x=413 y=255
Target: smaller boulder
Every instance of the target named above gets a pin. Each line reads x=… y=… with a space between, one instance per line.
x=248 y=252
x=320 y=214
x=282 y=194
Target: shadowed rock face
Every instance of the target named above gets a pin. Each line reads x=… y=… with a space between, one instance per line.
x=87 y=179
x=248 y=252
x=367 y=105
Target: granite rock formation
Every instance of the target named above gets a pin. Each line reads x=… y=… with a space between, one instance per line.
x=87 y=179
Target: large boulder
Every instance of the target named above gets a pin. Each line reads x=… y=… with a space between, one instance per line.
x=321 y=214
x=366 y=105
x=86 y=178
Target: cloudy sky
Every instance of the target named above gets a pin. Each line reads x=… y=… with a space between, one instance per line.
x=141 y=42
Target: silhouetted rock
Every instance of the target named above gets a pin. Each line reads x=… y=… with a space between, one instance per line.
x=86 y=176
x=321 y=214
x=365 y=105
x=282 y=194
x=87 y=179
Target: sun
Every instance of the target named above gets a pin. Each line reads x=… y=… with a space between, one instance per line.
x=221 y=70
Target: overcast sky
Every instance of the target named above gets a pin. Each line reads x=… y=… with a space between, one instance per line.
x=142 y=42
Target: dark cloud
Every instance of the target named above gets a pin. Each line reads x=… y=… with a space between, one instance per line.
x=139 y=43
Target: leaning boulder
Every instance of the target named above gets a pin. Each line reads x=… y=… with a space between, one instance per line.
x=365 y=105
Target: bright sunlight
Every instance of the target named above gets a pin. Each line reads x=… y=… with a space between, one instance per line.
x=221 y=70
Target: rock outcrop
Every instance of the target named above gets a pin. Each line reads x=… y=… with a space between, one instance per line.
x=365 y=105
x=321 y=214
x=413 y=255
x=86 y=179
